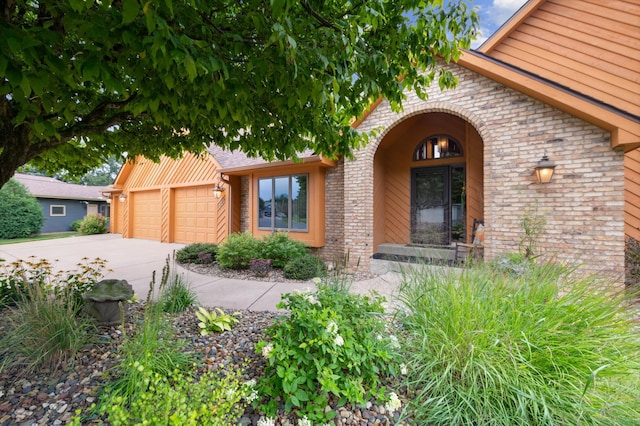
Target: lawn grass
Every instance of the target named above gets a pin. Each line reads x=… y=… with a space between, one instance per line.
x=39 y=237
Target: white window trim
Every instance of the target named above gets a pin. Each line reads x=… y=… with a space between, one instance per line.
x=64 y=210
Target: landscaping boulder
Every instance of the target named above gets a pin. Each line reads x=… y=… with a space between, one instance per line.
x=107 y=299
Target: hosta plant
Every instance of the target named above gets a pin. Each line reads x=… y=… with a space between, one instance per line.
x=215 y=321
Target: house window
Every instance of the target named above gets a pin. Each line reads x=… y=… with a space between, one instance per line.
x=436 y=147
x=56 y=210
x=282 y=203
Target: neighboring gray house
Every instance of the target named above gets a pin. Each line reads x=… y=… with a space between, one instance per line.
x=62 y=203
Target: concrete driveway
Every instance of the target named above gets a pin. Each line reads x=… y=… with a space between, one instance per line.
x=135 y=260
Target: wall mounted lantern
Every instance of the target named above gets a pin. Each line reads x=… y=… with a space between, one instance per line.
x=122 y=197
x=544 y=170
x=218 y=190
x=220 y=185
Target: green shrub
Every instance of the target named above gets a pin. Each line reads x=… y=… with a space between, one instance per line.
x=331 y=344
x=45 y=331
x=238 y=250
x=20 y=213
x=210 y=400
x=281 y=249
x=200 y=253
x=305 y=267
x=93 y=224
x=75 y=225
x=541 y=347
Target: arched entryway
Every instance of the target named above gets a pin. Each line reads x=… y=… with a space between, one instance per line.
x=428 y=181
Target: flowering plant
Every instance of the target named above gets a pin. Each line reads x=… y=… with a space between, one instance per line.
x=326 y=346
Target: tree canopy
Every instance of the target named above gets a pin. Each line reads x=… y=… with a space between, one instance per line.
x=84 y=79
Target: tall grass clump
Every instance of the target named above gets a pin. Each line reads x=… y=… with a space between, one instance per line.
x=537 y=348
x=175 y=293
x=45 y=329
x=153 y=350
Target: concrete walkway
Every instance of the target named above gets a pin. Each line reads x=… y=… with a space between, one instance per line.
x=135 y=260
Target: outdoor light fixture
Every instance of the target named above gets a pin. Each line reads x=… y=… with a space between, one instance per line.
x=544 y=170
x=123 y=197
x=108 y=200
x=218 y=190
x=443 y=144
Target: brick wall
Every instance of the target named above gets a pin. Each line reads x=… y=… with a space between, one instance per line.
x=244 y=203
x=334 y=214
x=583 y=205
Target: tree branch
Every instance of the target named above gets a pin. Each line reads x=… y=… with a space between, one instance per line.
x=319 y=18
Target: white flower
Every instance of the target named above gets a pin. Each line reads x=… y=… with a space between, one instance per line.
x=251 y=383
x=394 y=342
x=312 y=299
x=304 y=422
x=266 y=350
x=379 y=337
x=266 y=421
x=317 y=280
x=332 y=327
x=230 y=393
x=339 y=341
x=403 y=369
x=252 y=396
x=394 y=402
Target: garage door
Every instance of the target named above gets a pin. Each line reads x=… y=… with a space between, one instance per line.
x=146 y=215
x=195 y=215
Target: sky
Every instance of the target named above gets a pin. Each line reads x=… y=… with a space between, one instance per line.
x=493 y=13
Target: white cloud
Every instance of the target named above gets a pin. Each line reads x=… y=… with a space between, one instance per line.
x=501 y=10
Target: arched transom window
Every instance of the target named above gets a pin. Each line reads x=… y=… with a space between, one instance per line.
x=435 y=147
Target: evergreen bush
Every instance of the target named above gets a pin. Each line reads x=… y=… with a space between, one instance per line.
x=305 y=267
x=281 y=249
x=20 y=213
x=197 y=253
x=238 y=250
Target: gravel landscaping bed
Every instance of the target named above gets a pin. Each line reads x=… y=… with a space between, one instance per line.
x=53 y=398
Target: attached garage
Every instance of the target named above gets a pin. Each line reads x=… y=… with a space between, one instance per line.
x=147 y=214
x=172 y=200
x=196 y=215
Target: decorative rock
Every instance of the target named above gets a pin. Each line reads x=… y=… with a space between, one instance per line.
x=107 y=300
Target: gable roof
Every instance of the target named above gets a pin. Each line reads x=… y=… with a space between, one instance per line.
x=539 y=57
x=47 y=187
x=589 y=46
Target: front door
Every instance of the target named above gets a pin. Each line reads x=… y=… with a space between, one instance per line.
x=437 y=205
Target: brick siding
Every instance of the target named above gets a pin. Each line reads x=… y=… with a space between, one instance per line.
x=583 y=205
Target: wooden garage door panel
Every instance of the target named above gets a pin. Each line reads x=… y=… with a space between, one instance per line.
x=195 y=215
x=147 y=213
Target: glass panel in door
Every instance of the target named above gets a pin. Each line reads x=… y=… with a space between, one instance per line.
x=430 y=206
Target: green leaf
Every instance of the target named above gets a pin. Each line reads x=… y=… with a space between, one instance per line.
x=77 y=5
x=3 y=64
x=130 y=10
x=301 y=395
x=190 y=65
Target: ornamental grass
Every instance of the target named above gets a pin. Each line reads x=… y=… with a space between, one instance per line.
x=541 y=347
